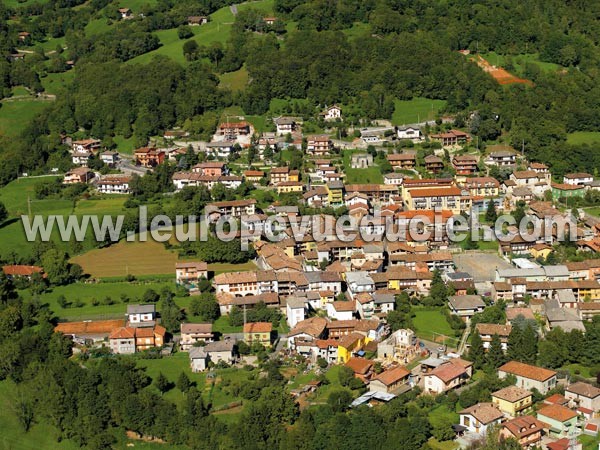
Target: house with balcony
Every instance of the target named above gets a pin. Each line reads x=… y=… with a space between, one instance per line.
x=193 y=333
x=479 y=417
x=561 y=421
x=527 y=430
x=189 y=273
x=434 y=164
x=513 y=400
x=258 y=333
x=319 y=145
x=450 y=139
x=465 y=164
x=529 y=376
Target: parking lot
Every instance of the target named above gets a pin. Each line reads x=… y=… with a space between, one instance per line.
x=480 y=265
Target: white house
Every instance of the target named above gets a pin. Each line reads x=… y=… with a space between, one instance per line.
x=295 y=308
x=141 y=315
x=578 y=179
x=109 y=158
x=81 y=158
x=410 y=133
x=340 y=310
x=528 y=376
x=113 y=184
x=359 y=281
x=465 y=306
x=332 y=113
x=198 y=359
x=220 y=149
x=448 y=375
x=479 y=417
x=583 y=395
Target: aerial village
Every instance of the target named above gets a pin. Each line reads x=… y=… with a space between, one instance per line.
x=347 y=304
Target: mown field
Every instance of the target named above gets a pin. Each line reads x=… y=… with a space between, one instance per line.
x=416 y=110
x=361 y=176
x=519 y=61
x=16 y=114
x=583 y=137
x=430 y=323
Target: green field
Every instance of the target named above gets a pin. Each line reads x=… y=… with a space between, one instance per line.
x=15 y=115
x=87 y=292
x=55 y=83
x=235 y=81
x=430 y=323
x=217 y=30
x=360 y=176
x=583 y=137
x=519 y=61
x=418 y=109
x=19 y=3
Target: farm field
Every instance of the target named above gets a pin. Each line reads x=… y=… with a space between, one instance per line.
x=136 y=258
x=519 y=61
x=15 y=115
x=418 y=109
x=584 y=137
x=235 y=81
x=55 y=83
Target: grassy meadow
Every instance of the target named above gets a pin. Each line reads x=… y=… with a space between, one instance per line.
x=418 y=109
x=16 y=114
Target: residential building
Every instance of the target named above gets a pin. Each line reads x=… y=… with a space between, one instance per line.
x=289 y=187
x=361 y=160
x=109 y=158
x=319 y=145
x=113 y=184
x=527 y=430
x=258 y=332
x=224 y=350
x=22 y=271
x=446 y=198
x=211 y=168
x=503 y=157
x=465 y=306
x=189 y=273
x=148 y=157
x=232 y=208
x=340 y=310
x=81 y=158
x=141 y=315
x=482 y=186
x=465 y=164
x=279 y=175
x=220 y=149
x=390 y=380
x=578 y=179
x=566 y=191
x=122 y=341
x=561 y=420
x=197 y=20
x=334 y=112
x=410 y=133
x=583 y=395
x=488 y=330
x=192 y=333
x=254 y=176
x=78 y=175
x=512 y=400
x=198 y=359
x=528 y=376
x=479 y=417
x=335 y=193
x=86 y=145
x=394 y=178
x=448 y=375
x=404 y=161
x=285 y=125
x=434 y=164
x=232 y=130
x=348 y=345
x=452 y=138
x=295 y=308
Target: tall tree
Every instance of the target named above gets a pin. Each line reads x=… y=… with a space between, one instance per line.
x=495 y=355
x=476 y=352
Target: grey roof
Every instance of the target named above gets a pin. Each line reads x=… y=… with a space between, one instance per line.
x=565 y=296
x=141 y=309
x=359 y=277
x=521 y=273
x=197 y=353
x=466 y=301
x=459 y=276
x=285 y=120
x=556 y=271
x=295 y=302
x=380 y=298
x=373 y=248
x=336 y=184
x=220 y=346
x=433 y=362
x=522 y=192
x=381 y=396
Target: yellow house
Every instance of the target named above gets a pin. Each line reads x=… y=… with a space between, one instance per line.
x=335 y=193
x=541 y=251
x=286 y=187
x=258 y=332
x=348 y=344
x=512 y=400
x=294 y=175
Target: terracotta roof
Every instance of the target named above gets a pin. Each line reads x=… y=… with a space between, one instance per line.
x=200 y=328
x=484 y=412
x=557 y=412
x=360 y=366
x=556 y=399
x=392 y=376
x=527 y=371
x=447 y=372
x=122 y=333
x=21 y=270
x=523 y=426
x=198 y=265
x=343 y=306
x=349 y=340
x=258 y=327
x=87 y=327
x=512 y=394
x=492 y=328
x=435 y=192
x=313 y=326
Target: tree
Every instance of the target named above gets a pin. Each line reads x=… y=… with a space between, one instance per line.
x=3 y=213
x=438 y=291
x=206 y=307
x=162 y=383
x=339 y=400
x=183 y=383
x=491 y=215
x=477 y=351
x=190 y=50
x=345 y=375
x=495 y=355
x=56 y=266
x=150 y=296
x=184 y=32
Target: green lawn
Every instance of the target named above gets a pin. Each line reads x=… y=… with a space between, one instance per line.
x=124 y=145
x=19 y=3
x=446 y=445
x=97 y=26
x=222 y=326
x=430 y=323
x=583 y=137
x=418 y=109
x=360 y=176
x=135 y=5
x=323 y=392
x=15 y=115
x=579 y=370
